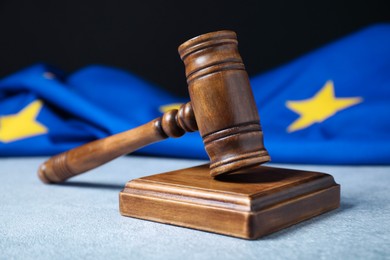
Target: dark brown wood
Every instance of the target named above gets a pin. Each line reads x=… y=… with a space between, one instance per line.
x=247 y=204
x=61 y=167
x=244 y=199
x=223 y=102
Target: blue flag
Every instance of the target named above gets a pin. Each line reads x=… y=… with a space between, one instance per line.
x=331 y=106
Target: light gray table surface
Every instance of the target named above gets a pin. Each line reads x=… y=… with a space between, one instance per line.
x=80 y=219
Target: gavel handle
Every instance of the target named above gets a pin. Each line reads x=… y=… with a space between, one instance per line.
x=63 y=166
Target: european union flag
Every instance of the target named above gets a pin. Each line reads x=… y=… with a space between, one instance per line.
x=45 y=113
x=331 y=106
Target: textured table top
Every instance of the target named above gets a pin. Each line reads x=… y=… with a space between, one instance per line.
x=80 y=219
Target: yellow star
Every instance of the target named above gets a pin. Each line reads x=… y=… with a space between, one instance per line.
x=170 y=107
x=319 y=108
x=23 y=124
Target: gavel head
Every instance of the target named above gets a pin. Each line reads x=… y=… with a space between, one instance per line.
x=223 y=102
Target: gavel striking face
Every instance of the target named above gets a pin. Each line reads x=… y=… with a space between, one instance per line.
x=221 y=101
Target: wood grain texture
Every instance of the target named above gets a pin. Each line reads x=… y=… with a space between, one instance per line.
x=61 y=167
x=223 y=102
x=248 y=204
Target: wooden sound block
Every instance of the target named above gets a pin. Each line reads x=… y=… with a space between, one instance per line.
x=249 y=204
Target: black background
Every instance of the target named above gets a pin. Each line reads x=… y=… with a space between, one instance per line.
x=143 y=36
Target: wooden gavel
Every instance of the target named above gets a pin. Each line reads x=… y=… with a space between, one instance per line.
x=221 y=101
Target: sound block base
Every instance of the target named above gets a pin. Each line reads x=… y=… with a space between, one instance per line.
x=249 y=204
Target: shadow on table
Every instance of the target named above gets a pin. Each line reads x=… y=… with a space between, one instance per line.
x=92 y=185
x=344 y=206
